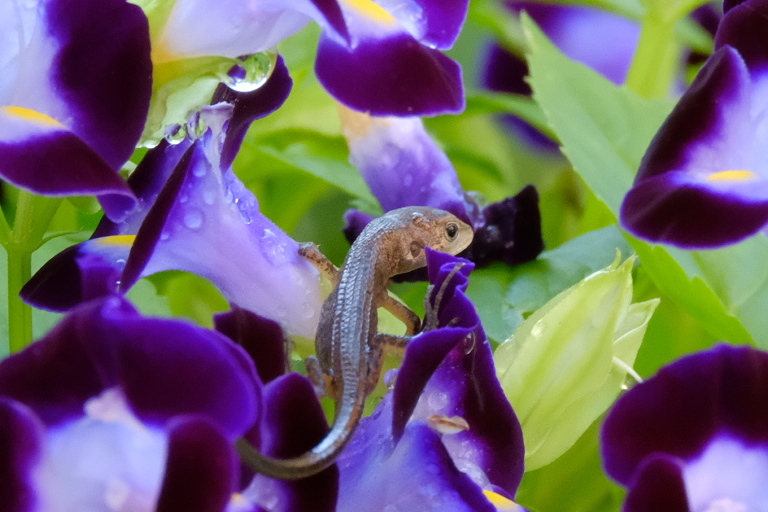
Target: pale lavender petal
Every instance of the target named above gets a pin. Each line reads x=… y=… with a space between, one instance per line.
x=231 y=28
x=399 y=150
x=210 y=225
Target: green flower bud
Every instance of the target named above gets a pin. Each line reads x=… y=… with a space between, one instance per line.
x=567 y=362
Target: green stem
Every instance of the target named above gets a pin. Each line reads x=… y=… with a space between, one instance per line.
x=655 y=62
x=19 y=313
x=33 y=216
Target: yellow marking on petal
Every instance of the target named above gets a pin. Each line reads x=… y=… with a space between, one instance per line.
x=732 y=175
x=500 y=502
x=358 y=125
x=373 y=11
x=115 y=240
x=29 y=114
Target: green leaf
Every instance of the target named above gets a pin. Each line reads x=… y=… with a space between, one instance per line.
x=605 y=130
x=559 y=369
x=534 y=283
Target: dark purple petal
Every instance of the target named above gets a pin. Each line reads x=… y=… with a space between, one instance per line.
x=422 y=358
x=108 y=108
x=745 y=28
x=658 y=486
x=510 y=230
x=293 y=422
x=200 y=471
x=416 y=474
x=426 y=351
x=52 y=161
x=688 y=403
x=450 y=372
x=21 y=436
x=151 y=227
x=444 y=20
x=251 y=106
x=729 y=4
x=164 y=368
x=677 y=210
x=354 y=223
x=149 y=178
x=465 y=385
x=185 y=369
x=78 y=274
x=263 y=339
x=395 y=76
x=678 y=196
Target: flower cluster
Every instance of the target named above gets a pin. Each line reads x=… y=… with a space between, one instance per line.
x=147 y=145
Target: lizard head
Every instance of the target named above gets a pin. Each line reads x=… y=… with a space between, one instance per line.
x=421 y=226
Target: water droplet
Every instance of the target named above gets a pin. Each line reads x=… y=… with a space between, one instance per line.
x=193 y=219
x=183 y=198
x=199 y=171
x=251 y=72
x=209 y=195
x=196 y=126
x=165 y=235
x=437 y=399
x=307 y=310
x=176 y=133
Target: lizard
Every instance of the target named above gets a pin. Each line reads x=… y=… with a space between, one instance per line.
x=349 y=348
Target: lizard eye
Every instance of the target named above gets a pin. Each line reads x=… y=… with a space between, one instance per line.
x=451 y=230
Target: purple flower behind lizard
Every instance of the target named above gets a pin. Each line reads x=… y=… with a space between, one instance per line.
x=403 y=166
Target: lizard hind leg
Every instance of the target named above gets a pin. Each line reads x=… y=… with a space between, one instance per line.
x=322 y=383
x=382 y=344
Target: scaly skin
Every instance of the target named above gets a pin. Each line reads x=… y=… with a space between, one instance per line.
x=348 y=347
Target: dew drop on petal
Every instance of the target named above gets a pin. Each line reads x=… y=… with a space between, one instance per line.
x=176 y=133
x=193 y=219
x=251 y=72
x=209 y=195
x=437 y=400
x=196 y=126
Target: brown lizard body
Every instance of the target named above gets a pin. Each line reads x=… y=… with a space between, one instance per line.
x=349 y=348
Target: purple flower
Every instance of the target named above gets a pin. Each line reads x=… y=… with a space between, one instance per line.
x=580 y=33
x=113 y=411
x=196 y=215
x=703 y=181
x=381 y=57
x=66 y=126
x=403 y=166
x=446 y=438
x=695 y=436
